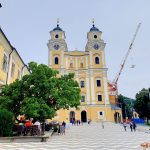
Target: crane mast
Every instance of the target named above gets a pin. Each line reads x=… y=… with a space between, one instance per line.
x=127 y=54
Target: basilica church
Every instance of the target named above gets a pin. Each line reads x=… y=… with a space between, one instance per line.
x=89 y=67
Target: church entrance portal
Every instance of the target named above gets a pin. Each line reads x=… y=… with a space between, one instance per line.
x=83 y=116
x=72 y=116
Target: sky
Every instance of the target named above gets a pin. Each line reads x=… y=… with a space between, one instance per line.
x=27 y=23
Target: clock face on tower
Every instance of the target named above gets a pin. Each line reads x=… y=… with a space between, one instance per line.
x=56 y=46
x=96 y=46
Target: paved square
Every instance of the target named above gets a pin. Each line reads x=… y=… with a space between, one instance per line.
x=88 y=137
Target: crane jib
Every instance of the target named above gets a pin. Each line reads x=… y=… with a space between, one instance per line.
x=126 y=56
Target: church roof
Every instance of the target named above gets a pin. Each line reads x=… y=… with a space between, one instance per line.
x=57 y=28
x=94 y=28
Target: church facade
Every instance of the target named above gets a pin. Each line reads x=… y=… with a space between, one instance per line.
x=89 y=67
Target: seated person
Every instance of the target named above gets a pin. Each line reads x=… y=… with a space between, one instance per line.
x=28 y=123
x=37 y=122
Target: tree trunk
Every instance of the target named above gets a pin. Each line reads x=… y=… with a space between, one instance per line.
x=43 y=128
x=147 y=120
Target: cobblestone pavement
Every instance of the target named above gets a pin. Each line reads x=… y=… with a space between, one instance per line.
x=87 y=137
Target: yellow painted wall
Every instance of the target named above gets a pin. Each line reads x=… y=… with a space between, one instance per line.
x=2 y=72
x=92 y=113
x=12 y=56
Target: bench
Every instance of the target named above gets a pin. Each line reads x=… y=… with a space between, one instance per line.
x=23 y=139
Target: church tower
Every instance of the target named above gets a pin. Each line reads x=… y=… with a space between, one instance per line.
x=56 y=48
x=97 y=68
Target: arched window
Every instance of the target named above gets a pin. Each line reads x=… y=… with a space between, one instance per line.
x=96 y=60
x=82 y=84
x=56 y=60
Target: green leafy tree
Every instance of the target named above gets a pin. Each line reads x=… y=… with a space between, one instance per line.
x=41 y=93
x=142 y=104
x=127 y=106
x=6 y=123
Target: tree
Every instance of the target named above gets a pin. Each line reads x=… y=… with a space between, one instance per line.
x=142 y=104
x=6 y=123
x=41 y=93
x=127 y=106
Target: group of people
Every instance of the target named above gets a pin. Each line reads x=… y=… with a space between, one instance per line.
x=26 y=124
x=132 y=126
x=74 y=122
x=61 y=128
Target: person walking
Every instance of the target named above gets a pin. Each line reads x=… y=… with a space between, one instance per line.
x=134 y=126
x=79 y=122
x=131 y=125
x=59 y=128
x=102 y=124
x=72 y=121
x=125 y=126
x=64 y=123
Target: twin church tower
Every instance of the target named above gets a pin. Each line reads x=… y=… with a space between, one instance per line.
x=90 y=71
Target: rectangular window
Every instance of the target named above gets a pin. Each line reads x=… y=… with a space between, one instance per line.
x=99 y=97
x=98 y=83
x=12 y=70
x=18 y=77
x=82 y=84
x=4 y=65
x=83 y=99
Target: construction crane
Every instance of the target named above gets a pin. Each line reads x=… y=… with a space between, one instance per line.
x=126 y=56
x=113 y=88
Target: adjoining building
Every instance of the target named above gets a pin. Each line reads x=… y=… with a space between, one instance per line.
x=12 y=66
x=90 y=71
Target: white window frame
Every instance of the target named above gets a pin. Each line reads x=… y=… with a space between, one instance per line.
x=99 y=93
x=54 y=59
x=3 y=61
x=13 y=73
x=101 y=116
x=98 y=60
x=83 y=83
x=84 y=98
x=19 y=71
x=100 y=82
